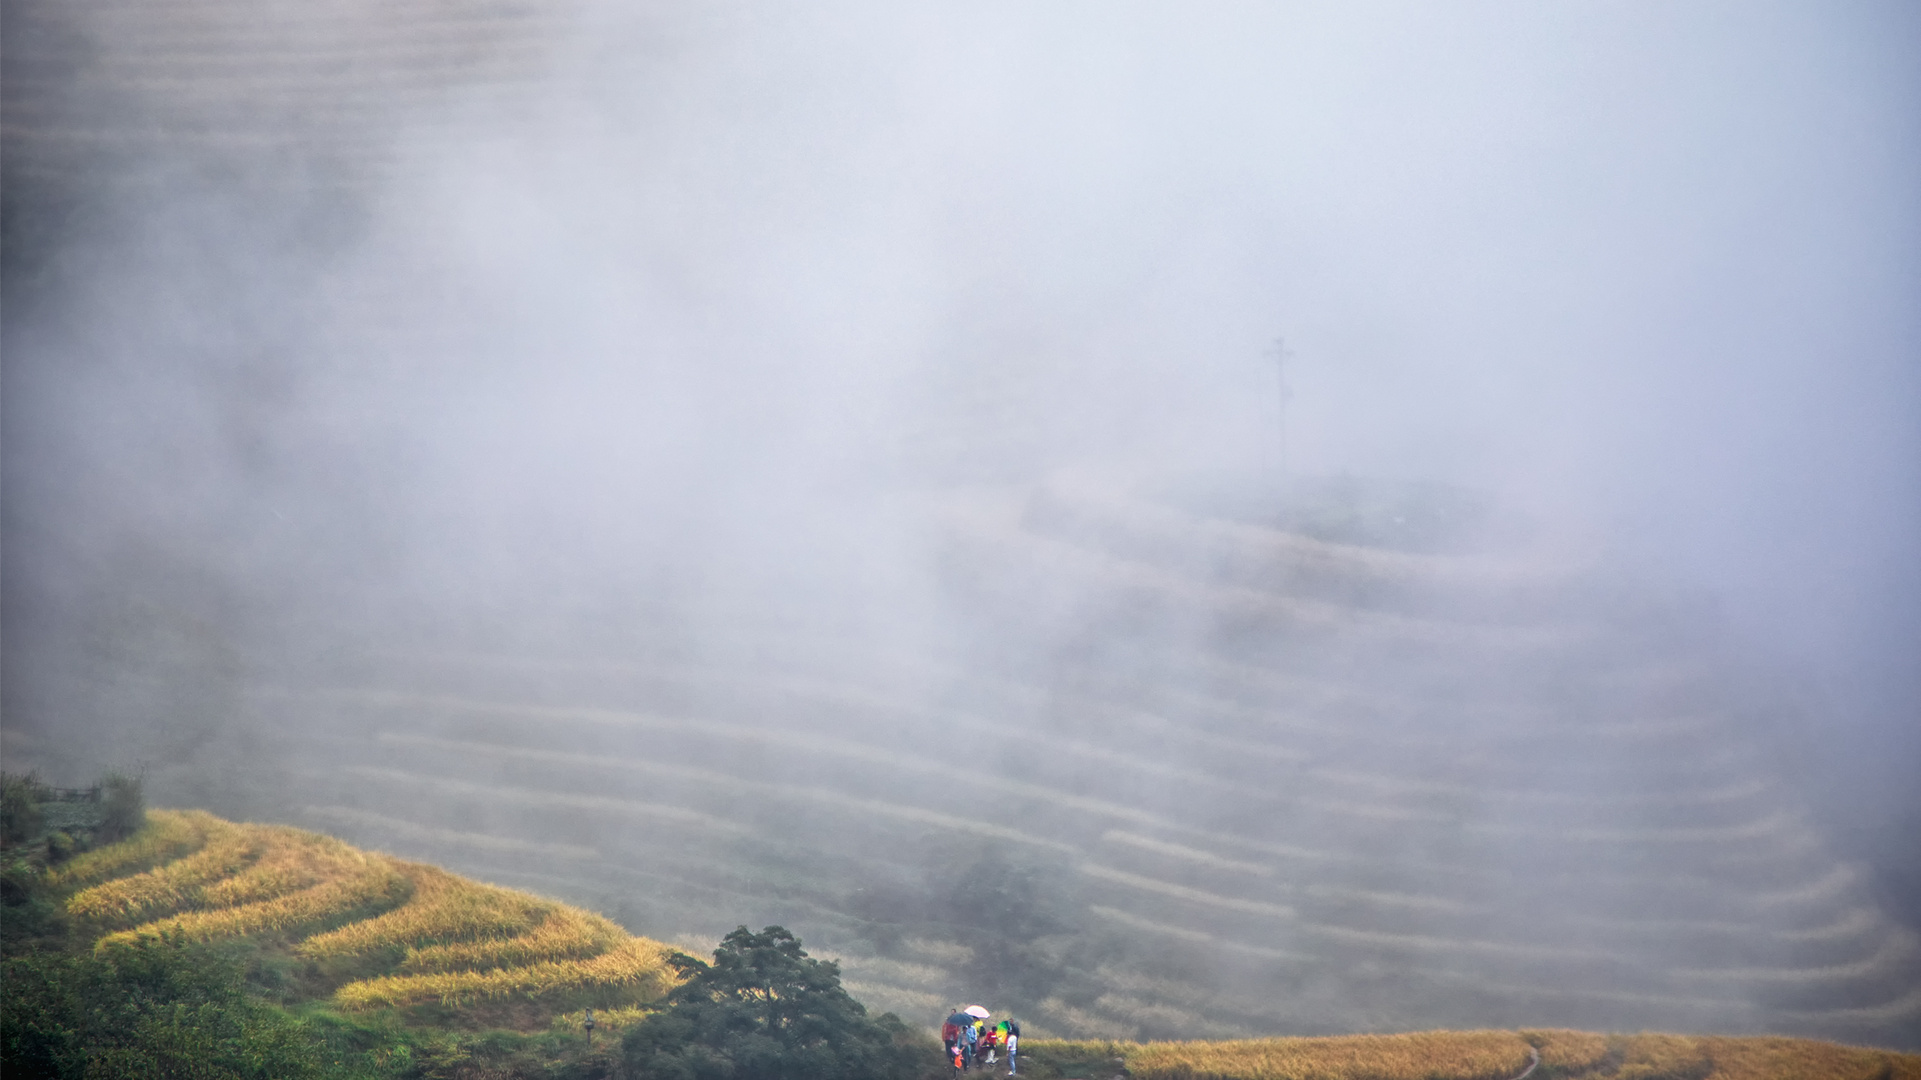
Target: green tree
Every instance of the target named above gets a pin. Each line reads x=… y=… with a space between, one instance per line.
x=765 y=1010
x=20 y=799
x=122 y=807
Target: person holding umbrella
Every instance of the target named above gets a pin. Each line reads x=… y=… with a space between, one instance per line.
x=950 y=1034
x=950 y=1028
x=971 y=1033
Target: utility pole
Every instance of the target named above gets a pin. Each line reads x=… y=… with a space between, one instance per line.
x=1281 y=354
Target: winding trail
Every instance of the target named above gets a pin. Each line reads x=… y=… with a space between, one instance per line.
x=1534 y=1062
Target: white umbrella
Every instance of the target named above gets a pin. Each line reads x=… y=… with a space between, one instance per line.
x=977 y=1012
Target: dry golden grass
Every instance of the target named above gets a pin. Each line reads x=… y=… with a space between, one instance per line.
x=637 y=968
x=1427 y=1055
x=229 y=848
x=563 y=934
x=610 y=1024
x=1648 y=1057
x=1759 y=1058
x=373 y=883
x=275 y=879
x=168 y=835
x=430 y=935
x=290 y=860
x=1498 y=1055
x=443 y=908
x=1569 y=1051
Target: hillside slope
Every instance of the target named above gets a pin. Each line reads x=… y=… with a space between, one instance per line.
x=379 y=932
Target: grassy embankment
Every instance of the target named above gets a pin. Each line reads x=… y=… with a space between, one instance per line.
x=1472 y=1055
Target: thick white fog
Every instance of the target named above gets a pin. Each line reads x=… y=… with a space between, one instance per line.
x=649 y=334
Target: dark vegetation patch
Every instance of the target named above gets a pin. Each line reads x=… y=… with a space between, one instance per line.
x=765 y=1010
x=1021 y=917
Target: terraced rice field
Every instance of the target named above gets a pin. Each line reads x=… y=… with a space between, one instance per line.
x=402 y=933
x=1369 y=791
x=1165 y=774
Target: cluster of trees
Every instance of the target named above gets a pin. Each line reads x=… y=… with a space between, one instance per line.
x=158 y=1009
x=120 y=812
x=765 y=1010
x=30 y=843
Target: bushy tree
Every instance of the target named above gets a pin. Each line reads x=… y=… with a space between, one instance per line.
x=123 y=809
x=765 y=1010
x=20 y=799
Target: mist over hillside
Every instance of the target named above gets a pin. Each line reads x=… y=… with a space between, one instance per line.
x=829 y=468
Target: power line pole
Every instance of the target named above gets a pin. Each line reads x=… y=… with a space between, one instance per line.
x=1281 y=354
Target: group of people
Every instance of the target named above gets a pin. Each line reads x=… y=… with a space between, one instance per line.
x=972 y=1041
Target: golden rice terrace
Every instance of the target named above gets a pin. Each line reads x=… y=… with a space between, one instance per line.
x=389 y=932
